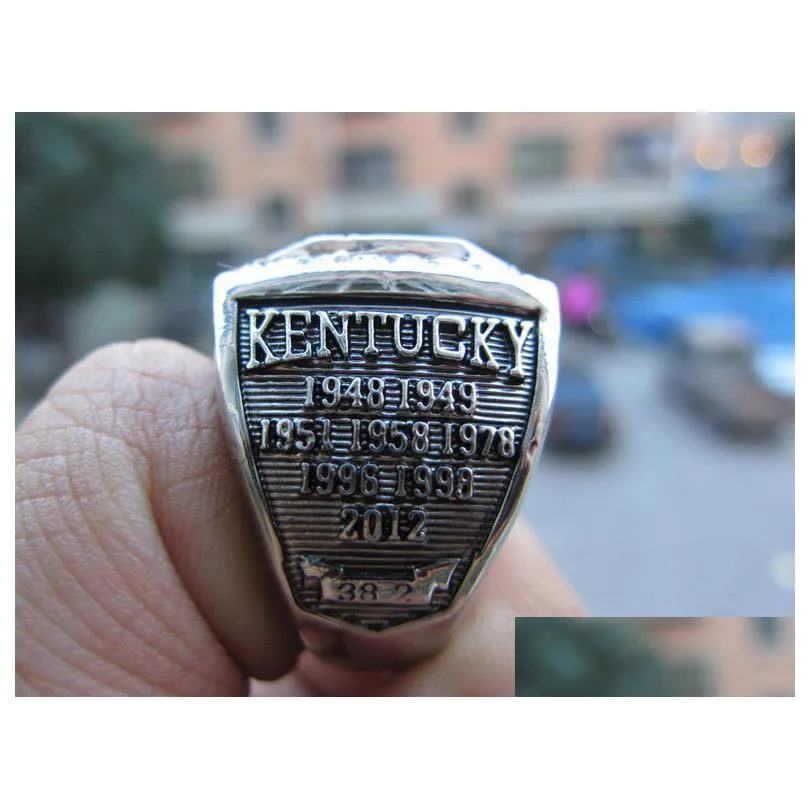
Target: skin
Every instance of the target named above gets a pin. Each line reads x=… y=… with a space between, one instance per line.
x=139 y=570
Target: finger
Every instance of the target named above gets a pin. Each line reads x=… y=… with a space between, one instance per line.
x=138 y=566
x=479 y=658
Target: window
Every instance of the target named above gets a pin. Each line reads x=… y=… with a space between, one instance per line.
x=370 y=169
x=468 y=123
x=467 y=199
x=640 y=154
x=277 y=213
x=189 y=177
x=268 y=125
x=768 y=631
x=538 y=160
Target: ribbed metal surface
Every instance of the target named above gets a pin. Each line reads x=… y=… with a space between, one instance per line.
x=309 y=524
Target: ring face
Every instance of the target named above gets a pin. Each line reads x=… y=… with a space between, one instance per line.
x=387 y=395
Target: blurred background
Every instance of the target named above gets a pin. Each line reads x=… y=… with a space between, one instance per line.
x=674 y=657
x=667 y=485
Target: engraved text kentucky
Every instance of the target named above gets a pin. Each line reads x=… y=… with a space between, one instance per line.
x=314 y=334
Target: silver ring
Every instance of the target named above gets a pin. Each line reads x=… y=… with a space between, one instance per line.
x=387 y=396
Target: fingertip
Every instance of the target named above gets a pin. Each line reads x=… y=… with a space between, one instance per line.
x=130 y=443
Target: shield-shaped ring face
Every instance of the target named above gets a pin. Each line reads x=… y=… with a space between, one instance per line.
x=387 y=396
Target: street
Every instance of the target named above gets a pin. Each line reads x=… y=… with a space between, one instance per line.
x=673 y=520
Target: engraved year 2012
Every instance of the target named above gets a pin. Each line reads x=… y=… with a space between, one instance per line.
x=382 y=523
x=415 y=395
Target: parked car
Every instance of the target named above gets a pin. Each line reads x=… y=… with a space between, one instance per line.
x=580 y=420
x=775 y=370
x=709 y=368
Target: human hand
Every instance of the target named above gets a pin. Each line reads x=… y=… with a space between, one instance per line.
x=140 y=572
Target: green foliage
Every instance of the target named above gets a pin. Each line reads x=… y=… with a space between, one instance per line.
x=584 y=658
x=90 y=204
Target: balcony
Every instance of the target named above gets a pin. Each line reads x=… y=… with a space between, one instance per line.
x=375 y=210
x=210 y=225
x=601 y=204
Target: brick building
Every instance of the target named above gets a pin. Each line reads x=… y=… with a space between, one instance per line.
x=539 y=188
x=249 y=182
